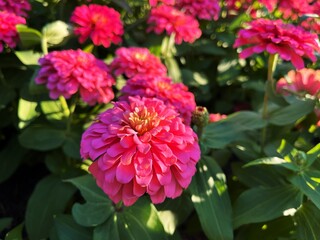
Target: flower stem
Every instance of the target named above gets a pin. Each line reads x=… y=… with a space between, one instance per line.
x=272 y=63
x=44 y=45
x=64 y=106
x=71 y=111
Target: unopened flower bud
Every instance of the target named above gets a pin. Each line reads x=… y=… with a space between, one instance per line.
x=200 y=116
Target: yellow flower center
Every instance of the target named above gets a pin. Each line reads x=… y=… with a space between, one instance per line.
x=140 y=56
x=141 y=120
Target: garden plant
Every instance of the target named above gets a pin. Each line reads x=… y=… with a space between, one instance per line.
x=159 y=119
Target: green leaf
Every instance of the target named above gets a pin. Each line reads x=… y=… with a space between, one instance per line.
x=55 y=33
x=50 y=197
x=307 y=218
x=71 y=146
x=219 y=134
x=290 y=114
x=10 y=156
x=173 y=212
x=140 y=221
x=123 y=4
x=264 y=203
x=52 y=110
x=273 y=161
x=29 y=37
x=68 y=229
x=309 y=184
x=173 y=69
x=26 y=112
x=92 y=213
x=7 y=94
x=28 y=57
x=313 y=155
x=107 y=230
x=15 y=233
x=211 y=200
x=5 y=222
x=42 y=138
x=89 y=189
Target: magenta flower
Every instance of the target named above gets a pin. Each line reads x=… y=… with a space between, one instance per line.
x=137 y=62
x=17 y=7
x=201 y=9
x=172 y=21
x=175 y=95
x=215 y=117
x=70 y=71
x=141 y=146
x=305 y=81
x=99 y=23
x=290 y=42
x=8 y=32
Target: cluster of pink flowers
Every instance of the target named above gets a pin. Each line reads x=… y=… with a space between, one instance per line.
x=290 y=42
x=141 y=146
x=70 y=71
x=168 y=19
x=202 y=9
x=8 y=32
x=99 y=23
x=18 y=7
x=175 y=95
x=137 y=62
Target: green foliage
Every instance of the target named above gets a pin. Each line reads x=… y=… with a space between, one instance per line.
x=259 y=172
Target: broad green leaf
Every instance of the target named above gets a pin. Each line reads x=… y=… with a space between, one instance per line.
x=313 y=155
x=140 y=221
x=15 y=233
x=107 y=230
x=29 y=37
x=52 y=110
x=292 y=113
x=173 y=69
x=28 y=57
x=71 y=146
x=173 y=212
x=307 y=218
x=42 y=138
x=26 y=112
x=309 y=184
x=10 y=158
x=56 y=32
x=219 y=134
x=211 y=200
x=273 y=161
x=92 y=213
x=89 y=189
x=265 y=203
x=68 y=229
x=5 y=222
x=49 y=198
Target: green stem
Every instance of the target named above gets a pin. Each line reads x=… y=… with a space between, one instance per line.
x=71 y=111
x=44 y=45
x=64 y=106
x=272 y=63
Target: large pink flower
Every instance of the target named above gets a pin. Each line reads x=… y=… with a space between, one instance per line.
x=173 y=94
x=135 y=61
x=18 y=7
x=100 y=23
x=69 y=71
x=290 y=42
x=141 y=146
x=8 y=31
x=304 y=81
x=172 y=21
x=202 y=9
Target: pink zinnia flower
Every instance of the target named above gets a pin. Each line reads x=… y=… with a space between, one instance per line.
x=311 y=24
x=135 y=61
x=154 y=3
x=290 y=42
x=305 y=81
x=18 y=7
x=8 y=32
x=202 y=9
x=141 y=146
x=69 y=71
x=175 y=95
x=215 y=117
x=169 y=19
x=100 y=23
